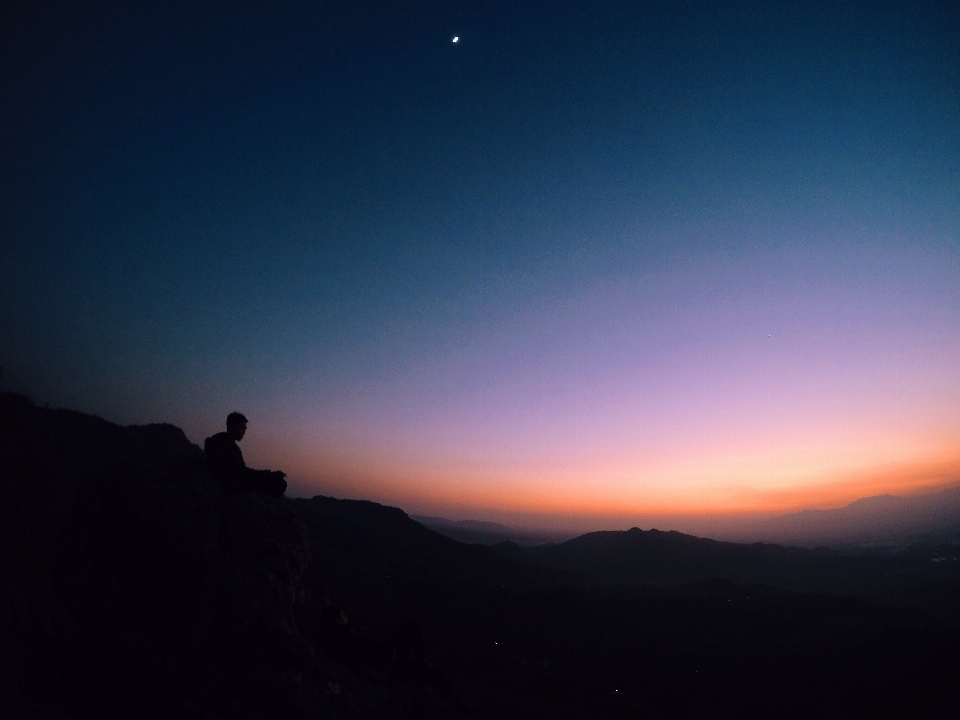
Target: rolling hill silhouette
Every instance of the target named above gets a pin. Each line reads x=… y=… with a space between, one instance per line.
x=922 y=576
x=130 y=586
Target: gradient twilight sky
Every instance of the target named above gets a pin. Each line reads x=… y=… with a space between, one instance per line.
x=601 y=260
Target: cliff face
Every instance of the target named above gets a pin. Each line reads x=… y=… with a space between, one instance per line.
x=130 y=586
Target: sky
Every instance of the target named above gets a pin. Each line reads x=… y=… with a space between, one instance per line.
x=592 y=262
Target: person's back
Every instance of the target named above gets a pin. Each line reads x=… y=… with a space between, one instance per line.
x=225 y=462
x=226 y=465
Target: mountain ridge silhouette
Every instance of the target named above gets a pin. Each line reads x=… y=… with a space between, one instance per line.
x=130 y=584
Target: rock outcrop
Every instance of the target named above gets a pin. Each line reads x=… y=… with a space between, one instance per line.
x=130 y=586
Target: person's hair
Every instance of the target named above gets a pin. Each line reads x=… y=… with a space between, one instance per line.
x=234 y=418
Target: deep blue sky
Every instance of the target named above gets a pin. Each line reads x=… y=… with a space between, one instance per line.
x=363 y=235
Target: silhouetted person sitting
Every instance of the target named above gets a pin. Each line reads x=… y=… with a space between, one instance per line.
x=225 y=462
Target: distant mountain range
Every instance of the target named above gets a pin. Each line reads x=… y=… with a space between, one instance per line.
x=882 y=521
x=390 y=544
x=878 y=520
x=480 y=532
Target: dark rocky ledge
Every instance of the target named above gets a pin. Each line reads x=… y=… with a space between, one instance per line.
x=129 y=587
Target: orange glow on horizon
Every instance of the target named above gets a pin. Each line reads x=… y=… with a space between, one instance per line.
x=770 y=483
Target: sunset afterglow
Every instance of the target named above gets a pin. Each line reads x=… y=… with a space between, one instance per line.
x=566 y=272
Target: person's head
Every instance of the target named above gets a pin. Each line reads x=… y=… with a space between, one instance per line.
x=236 y=425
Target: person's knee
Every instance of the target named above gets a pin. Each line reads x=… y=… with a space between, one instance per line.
x=268 y=482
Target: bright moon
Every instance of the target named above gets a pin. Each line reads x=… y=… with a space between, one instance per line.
x=456 y=38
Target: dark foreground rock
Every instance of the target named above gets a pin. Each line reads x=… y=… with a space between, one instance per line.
x=132 y=588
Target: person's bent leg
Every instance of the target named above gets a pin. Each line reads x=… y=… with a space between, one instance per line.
x=269 y=482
